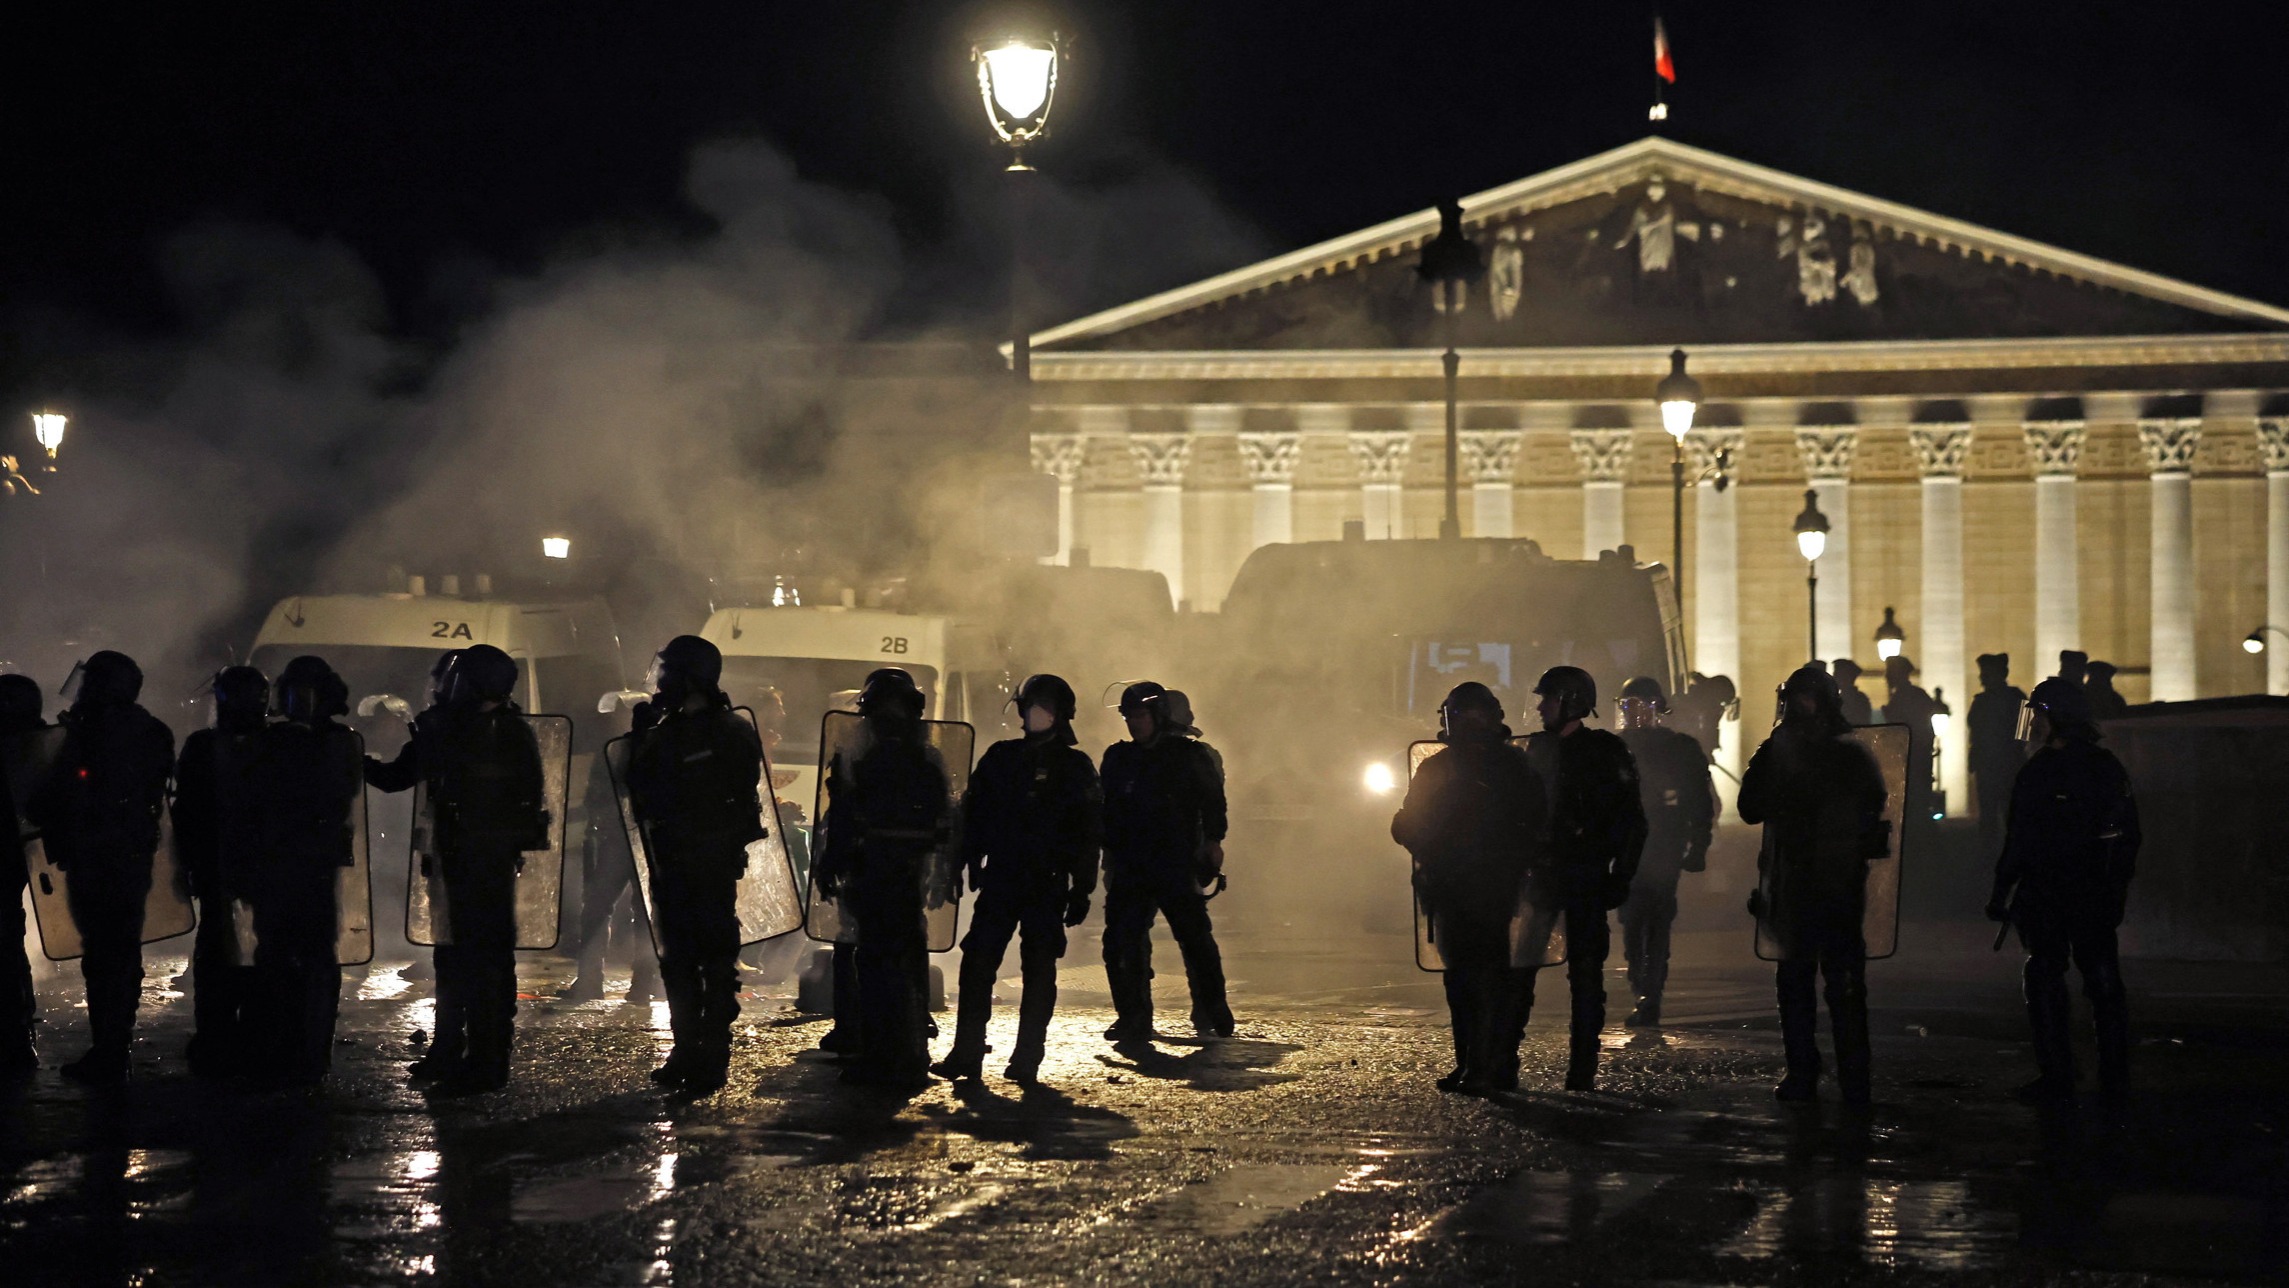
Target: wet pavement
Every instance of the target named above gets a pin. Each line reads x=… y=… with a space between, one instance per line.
x=1309 y=1148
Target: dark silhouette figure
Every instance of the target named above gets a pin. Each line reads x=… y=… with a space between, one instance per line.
x=608 y=897
x=2098 y=685
x=2074 y=664
x=1474 y=817
x=1596 y=836
x=213 y=817
x=1996 y=752
x=1701 y=710
x=1820 y=797
x=693 y=778
x=1165 y=822
x=1907 y=703
x=1856 y=706
x=1680 y=805
x=20 y=719
x=1032 y=829
x=2064 y=879
x=479 y=762
x=98 y=810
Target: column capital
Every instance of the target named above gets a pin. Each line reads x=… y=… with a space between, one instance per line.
x=2055 y=446
x=1161 y=457
x=1826 y=451
x=1060 y=455
x=1381 y=454
x=1603 y=454
x=2170 y=443
x=2273 y=441
x=1704 y=446
x=1270 y=458
x=1940 y=449
x=1490 y=455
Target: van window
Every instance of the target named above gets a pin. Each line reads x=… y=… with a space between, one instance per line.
x=807 y=685
x=569 y=686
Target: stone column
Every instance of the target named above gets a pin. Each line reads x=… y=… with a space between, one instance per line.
x=1939 y=453
x=1270 y=459
x=1161 y=458
x=1382 y=458
x=1826 y=451
x=1716 y=583
x=2055 y=447
x=1490 y=458
x=2273 y=440
x=2170 y=444
x=1603 y=455
x=1060 y=457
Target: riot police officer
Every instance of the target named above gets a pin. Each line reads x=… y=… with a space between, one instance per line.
x=1165 y=821
x=1032 y=828
x=20 y=707
x=1821 y=799
x=607 y=901
x=886 y=817
x=1473 y=820
x=1996 y=752
x=1597 y=833
x=692 y=779
x=480 y=763
x=2064 y=878
x=98 y=809
x=305 y=777
x=1680 y=805
x=213 y=844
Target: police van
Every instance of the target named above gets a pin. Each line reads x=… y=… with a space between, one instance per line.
x=815 y=659
x=384 y=646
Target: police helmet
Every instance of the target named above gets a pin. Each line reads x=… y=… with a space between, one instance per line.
x=1644 y=688
x=1178 y=704
x=890 y=691
x=1576 y=692
x=481 y=673
x=692 y=661
x=2066 y=705
x=1144 y=695
x=1814 y=683
x=441 y=675
x=1470 y=695
x=108 y=678
x=20 y=702
x=309 y=691
x=1045 y=690
x=240 y=689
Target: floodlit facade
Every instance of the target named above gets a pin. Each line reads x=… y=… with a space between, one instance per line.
x=2020 y=448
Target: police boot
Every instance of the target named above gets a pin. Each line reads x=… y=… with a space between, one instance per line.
x=967 y=1058
x=1799 y=1033
x=1848 y=1020
x=644 y=980
x=1582 y=1056
x=2047 y=1016
x=1034 y=1008
x=684 y=1023
x=588 y=981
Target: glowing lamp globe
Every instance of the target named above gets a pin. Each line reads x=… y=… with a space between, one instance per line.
x=1018 y=81
x=48 y=428
x=556 y=547
x=1679 y=396
x=1890 y=639
x=1811 y=528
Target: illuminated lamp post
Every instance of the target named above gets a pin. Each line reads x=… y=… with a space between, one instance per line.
x=47 y=430
x=1942 y=718
x=1890 y=639
x=1811 y=530
x=1679 y=397
x=1451 y=262
x=1017 y=78
x=2254 y=642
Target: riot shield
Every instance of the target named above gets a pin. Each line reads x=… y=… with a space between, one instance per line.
x=540 y=878
x=844 y=739
x=167 y=910
x=353 y=885
x=1537 y=934
x=768 y=902
x=1880 y=913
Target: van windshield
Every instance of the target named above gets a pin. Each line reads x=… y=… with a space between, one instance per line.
x=807 y=685
x=368 y=669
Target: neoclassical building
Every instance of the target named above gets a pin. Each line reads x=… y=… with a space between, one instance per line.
x=2021 y=449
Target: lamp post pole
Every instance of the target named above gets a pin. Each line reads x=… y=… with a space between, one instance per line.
x=1017 y=79
x=1450 y=525
x=1812 y=610
x=1811 y=529
x=1679 y=397
x=1451 y=262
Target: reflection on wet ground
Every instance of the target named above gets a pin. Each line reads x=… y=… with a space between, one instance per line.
x=1309 y=1148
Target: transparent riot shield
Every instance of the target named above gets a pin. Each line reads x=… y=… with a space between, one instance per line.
x=1777 y=930
x=1537 y=934
x=769 y=900
x=844 y=741
x=353 y=885
x=540 y=878
x=167 y=910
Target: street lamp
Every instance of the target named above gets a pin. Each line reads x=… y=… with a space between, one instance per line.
x=1890 y=639
x=48 y=427
x=2255 y=642
x=1942 y=718
x=1679 y=396
x=1451 y=262
x=556 y=547
x=1017 y=79
x=1811 y=539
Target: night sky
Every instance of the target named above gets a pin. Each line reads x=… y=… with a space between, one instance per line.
x=447 y=144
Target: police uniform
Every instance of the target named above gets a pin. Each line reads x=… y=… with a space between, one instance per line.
x=1680 y=804
x=1596 y=836
x=214 y=844
x=306 y=777
x=1164 y=805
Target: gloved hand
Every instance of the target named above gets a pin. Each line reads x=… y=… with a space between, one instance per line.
x=1212 y=858
x=1076 y=908
x=1756 y=904
x=827 y=884
x=1998 y=910
x=1696 y=858
x=1614 y=892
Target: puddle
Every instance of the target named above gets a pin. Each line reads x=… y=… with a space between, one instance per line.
x=1930 y=1226
x=1248 y=1195
x=1536 y=1208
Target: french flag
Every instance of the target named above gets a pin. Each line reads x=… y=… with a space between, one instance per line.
x=1662 y=67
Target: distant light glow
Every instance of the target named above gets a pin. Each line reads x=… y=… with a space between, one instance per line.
x=1887 y=649
x=1379 y=780
x=1019 y=75
x=556 y=547
x=2255 y=643
x=1677 y=417
x=1813 y=544
x=1940 y=720
x=48 y=428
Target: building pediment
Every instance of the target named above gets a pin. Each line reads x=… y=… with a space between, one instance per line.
x=1658 y=243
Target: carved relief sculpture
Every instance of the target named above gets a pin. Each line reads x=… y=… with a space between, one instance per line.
x=1859 y=279
x=1940 y=449
x=1490 y=455
x=2055 y=446
x=1161 y=458
x=1270 y=458
x=2170 y=443
x=1826 y=450
x=1059 y=456
x=1381 y=454
x=1506 y=272
x=1603 y=454
x=1815 y=259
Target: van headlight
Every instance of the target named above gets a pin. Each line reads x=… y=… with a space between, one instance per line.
x=1378 y=778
